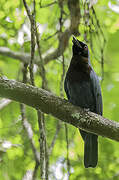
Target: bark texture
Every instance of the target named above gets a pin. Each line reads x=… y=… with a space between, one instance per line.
x=59 y=108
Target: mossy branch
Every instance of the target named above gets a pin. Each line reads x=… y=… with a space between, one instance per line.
x=59 y=108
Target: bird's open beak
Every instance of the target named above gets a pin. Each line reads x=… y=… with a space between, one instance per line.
x=75 y=41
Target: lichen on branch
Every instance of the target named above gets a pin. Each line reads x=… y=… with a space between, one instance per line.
x=59 y=108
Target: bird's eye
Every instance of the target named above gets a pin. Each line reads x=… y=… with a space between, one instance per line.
x=85 y=48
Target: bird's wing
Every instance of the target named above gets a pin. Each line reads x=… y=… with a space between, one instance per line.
x=66 y=88
x=96 y=92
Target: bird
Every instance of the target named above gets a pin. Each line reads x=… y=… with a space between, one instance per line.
x=83 y=89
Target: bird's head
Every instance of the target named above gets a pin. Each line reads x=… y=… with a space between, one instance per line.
x=79 y=48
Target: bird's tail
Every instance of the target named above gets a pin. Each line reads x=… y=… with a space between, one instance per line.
x=90 y=149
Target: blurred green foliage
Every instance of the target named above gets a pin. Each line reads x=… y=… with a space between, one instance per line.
x=16 y=159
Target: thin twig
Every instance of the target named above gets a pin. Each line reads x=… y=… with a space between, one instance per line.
x=35 y=170
x=27 y=10
x=43 y=147
x=32 y=21
x=41 y=65
x=93 y=25
x=102 y=63
x=46 y=5
x=28 y=128
x=67 y=142
x=58 y=127
x=29 y=131
x=43 y=142
x=25 y=122
x=97 y=22
x=45 y=39
x=32 y=46
x=61 y=88
x=104 y=41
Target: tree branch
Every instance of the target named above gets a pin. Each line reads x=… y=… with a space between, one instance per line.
x=59 y=108
x=63 y=38
x=25 y=57
x=74 y=9
x=21 y=56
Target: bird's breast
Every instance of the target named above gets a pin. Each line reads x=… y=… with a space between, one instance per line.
x=80 y=93
x=79 y=75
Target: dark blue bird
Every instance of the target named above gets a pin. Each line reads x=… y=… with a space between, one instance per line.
x=83 y=89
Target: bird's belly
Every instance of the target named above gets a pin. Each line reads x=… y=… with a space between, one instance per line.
x=81 y=95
